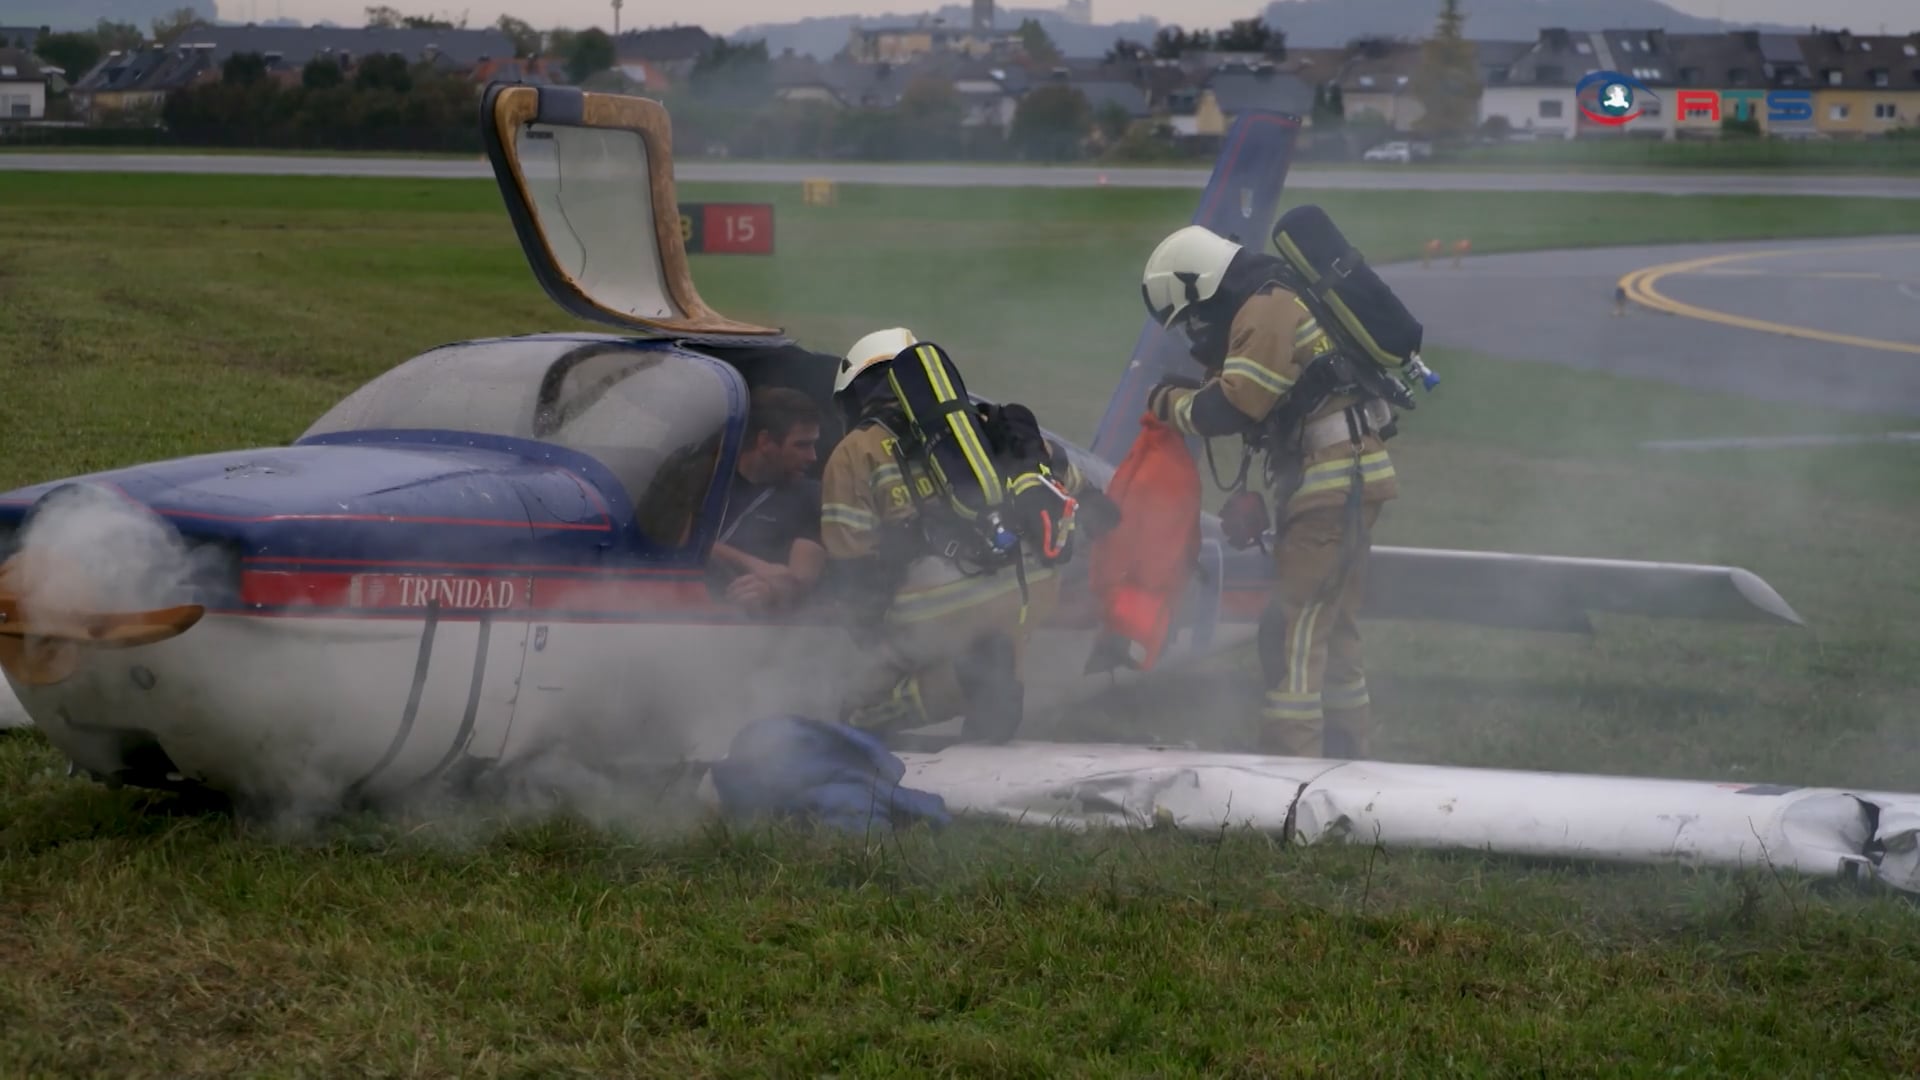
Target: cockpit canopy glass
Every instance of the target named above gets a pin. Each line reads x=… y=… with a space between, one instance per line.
x=590 y=184
x=655 y=418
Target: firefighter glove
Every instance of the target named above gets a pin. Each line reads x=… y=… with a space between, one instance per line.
x=1160 y=397
x=1099 y=514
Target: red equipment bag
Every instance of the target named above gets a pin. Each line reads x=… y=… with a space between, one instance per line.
x=1138 y=573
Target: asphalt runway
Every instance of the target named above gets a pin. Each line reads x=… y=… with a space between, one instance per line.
x=1821 y=322
x=1383 y=178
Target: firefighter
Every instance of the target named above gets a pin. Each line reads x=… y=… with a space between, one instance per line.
x=946 y=638
x=1327 y=460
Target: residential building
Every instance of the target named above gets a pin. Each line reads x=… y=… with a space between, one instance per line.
x=1647 y=55
x=1377 y=79
x=23 y=87
x=538 y=71
x=1536 y=98
x=847 y=85
x=1234 y=90
x=135 y=81
x=902 y=44
x=990 y=95
x=1731 y=66
x=1315 y=67
x=1180 y=111
x=294 y=46
x=1863 y=85
x=1107 y=94
x=1498 y=95
x=662 y=57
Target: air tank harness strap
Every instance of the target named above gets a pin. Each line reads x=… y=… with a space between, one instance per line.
x=951 y=550
x=1352 y=541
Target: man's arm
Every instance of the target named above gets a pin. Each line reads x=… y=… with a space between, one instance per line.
x=806 y=557
x=1258 y=372
x=738 y=559
x=807 y=561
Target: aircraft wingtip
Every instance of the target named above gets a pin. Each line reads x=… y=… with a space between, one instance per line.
x=1763 y=596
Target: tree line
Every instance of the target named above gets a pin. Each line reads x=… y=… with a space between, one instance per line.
x=384 y=103
x=727 y=106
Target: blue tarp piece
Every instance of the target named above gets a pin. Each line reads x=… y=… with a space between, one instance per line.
x=798 y=767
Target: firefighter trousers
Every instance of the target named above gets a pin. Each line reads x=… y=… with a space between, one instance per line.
x=952 y=649
x=1316 y=701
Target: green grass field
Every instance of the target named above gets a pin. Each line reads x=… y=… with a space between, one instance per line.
x=143 y=317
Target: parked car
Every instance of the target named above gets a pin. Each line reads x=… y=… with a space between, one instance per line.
x=1392 y=151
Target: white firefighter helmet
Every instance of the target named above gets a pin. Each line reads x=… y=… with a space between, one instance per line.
x=1185 y=269
x=870 y=350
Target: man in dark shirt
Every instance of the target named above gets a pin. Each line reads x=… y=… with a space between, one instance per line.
x=768 y=555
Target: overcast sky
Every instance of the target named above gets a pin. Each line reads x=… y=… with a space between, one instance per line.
x=724 y=16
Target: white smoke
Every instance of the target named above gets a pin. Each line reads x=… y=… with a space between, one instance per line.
x=88 y=549
x=91 y=549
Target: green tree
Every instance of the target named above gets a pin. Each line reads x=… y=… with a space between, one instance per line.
x=526 y=40
x=1113 y=121
x=1247 y=35
x=383 y=71
x=113 y=35
x=1447 y=80
x=322 y=73
x=1169 y=43
x=1051 y=122
x=169 y=27
x=243 y=69
x=1126 y=52
x=382 y=17
x=589 y=53
x=1036 y=44
x=737 y=73
x=931 y=110
x=74 y=54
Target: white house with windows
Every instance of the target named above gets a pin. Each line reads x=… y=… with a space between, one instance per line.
x=23 y=87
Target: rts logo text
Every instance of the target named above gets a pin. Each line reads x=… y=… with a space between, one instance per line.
x=1614 y=99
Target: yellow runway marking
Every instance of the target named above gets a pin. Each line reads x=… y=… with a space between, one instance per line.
x=1820 y=275
x=1639 y=286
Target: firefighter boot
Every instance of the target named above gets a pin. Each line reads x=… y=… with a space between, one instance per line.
x=989 y=679
x=900 y=708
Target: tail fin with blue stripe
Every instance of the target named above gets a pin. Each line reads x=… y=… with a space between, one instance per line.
x=1241 y=202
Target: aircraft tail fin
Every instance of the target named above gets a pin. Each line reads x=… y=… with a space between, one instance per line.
x=1241 y=201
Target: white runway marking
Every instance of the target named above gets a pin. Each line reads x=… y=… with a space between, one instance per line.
x=1769 y=442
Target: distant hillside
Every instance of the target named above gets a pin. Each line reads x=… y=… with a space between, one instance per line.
x=823 y=37
x=61 y=15
x=1328 y=23
x=1308 y=23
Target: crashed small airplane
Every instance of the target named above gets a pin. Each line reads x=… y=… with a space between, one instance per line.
x=496 y=551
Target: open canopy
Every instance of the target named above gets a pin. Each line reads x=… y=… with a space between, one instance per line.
x=588 y=181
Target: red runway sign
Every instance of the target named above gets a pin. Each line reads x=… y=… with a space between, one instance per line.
x=727 y=228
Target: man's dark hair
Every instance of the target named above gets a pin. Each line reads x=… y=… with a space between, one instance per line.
x=777 y=410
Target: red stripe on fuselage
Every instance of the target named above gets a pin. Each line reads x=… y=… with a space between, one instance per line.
x=503 y=591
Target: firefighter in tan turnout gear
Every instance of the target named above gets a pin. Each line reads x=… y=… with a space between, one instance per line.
x=945 y=628
x=1327 y=463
